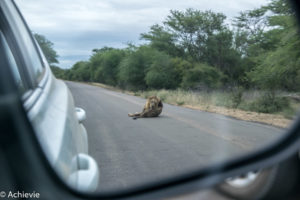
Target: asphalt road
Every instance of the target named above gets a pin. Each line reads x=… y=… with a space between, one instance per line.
x=130 y=152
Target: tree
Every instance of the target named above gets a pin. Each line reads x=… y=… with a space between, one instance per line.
x=132 y=69
x=258 y=35
x=250 y=40
x=193 y=28
x=199 y=37
x=47 y=48
x=161 y=73
x=279 y=68
x=162 y=40
x=102 y=50
x=104 y=65
x=221 y=54
x=181 y=66
x=80 y=71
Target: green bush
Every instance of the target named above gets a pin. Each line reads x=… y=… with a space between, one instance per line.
x=162 y=96
x=223 y=99
x=132 y=70
x=106 y=65
x=202 y=75
x=181 y=65
x=161 y=73
x=58 y=72
x=237 y=96
x=269 y=103
x=180 y=103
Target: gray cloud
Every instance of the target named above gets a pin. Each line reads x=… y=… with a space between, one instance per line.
x=78 y=26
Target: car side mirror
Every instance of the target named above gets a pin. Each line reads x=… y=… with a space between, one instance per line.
x=80 y=113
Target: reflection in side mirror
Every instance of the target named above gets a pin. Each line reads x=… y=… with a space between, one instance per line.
x=224 y=90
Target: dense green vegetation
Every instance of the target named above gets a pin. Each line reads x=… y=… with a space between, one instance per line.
x=198 y=51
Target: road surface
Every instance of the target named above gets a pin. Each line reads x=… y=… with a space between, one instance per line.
x=130 y=152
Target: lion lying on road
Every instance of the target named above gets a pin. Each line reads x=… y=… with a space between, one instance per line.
x=152 y=108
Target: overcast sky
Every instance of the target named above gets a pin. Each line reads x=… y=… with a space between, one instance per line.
x=78 y=26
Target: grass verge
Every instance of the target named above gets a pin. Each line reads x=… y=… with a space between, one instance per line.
x=245 y=105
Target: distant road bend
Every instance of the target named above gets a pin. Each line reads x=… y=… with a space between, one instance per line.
x=131 y=151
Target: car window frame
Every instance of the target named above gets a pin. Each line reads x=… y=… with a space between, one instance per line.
x=11 y=32
x=32 y=84
x=9 y=59
x=13 y=45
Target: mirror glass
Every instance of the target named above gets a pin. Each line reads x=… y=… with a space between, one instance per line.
x=161 y=87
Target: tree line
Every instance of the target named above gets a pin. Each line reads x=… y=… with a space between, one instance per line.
x=198 y=50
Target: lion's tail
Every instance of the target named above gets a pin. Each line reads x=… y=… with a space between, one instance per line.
x=134 y=115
